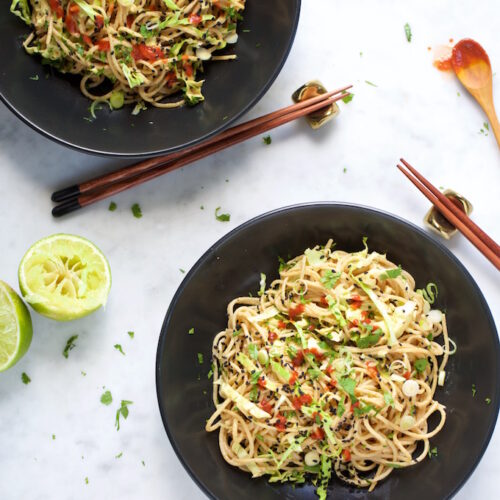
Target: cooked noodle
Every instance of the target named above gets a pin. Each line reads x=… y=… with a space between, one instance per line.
x=147 y=50
x=334 y=366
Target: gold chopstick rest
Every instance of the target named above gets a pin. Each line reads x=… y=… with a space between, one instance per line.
x=438 y=223
x=318 y=118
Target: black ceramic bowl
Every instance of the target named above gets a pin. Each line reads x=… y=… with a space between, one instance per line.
x=232 y=267
x=55 y=107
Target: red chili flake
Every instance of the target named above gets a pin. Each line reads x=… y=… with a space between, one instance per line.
x=293 y=378
x=261 y=382
x=299 y=359
x=266 y=405
x=104 y=45
x=281 y=325
x=346 y=454
x=293 y=312
x=281 y=423
x=99 y=23
x=318 y=434
x=194 y=19
x=299 y=401
x=272 y=336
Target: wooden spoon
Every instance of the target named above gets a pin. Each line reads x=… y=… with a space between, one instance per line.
x=472 y=67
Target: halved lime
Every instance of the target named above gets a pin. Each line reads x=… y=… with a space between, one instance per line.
x=64 y=277
x=16 y=330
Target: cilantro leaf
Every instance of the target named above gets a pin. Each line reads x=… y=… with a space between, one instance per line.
x=487 y=401
x=433 y=452
x=222 y=217
x=112 y=206
x=388 y=399
x=253 y=351
x=421 y=364
x=267 y=140
x=119 y=455
x=24 y=377
x=123 y=411
x=118 y=347
x=370 y=83
x=369 y=340
x=408 y=32
x=349 y=385
x=70 y=344
x=362 y=409
x=391 y=273
x=191 y=331
x=131 y=334
x=473 y=390
x=340 y=408
x=106 y=398
x=200 y=358
x=136 y=210
x=347 y=98
x=329 y=279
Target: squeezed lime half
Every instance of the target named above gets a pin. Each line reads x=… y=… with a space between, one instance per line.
x=16 y=330
x=64 y=277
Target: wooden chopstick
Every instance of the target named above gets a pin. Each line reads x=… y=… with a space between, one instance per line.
x=210 y=147
x=143 y=166
x=487 y=246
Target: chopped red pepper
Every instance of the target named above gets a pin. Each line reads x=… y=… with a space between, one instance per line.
x=298 y=359
x=56 y=7
x=346 y=454
x=299 y=401
x=188 y=69
x=318 y=355
x=293 y=378
x=329 y=370
x=272 y=336
x=281 y=325
x=99 y=23
x=104 y=45
x=261 y=382
x=323 y=301
x=354 y=323
x=355 y=302
x=371 y=368
x=318 y=433
x=407 y=375
x=74 y=9
x=293 y=312
x=355 y=405
x=87 y=40
x=194 y=19
x=130 y=20
x=281 y=423
x=266 y=405
x=71 y=24
x=147 y=53
x=170 y=79
x=312 y=328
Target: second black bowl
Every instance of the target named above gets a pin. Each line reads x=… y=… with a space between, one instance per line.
x=55 y=107
x=232 y=267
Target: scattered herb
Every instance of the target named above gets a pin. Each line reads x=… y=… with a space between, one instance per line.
x=107 y=398
x=344 y=170
x=267 y=140
x=86 y=480
x=123 y=411
x=349 y=385
x=202 y=207
x=131 y=334
x=329 y=279
x=340 y=408
x=473 y=390
x=83 y=373
x=200 y=358
x=262 y=284
x=347 y=98
x=210 y=374
x=136 y=210
x=182 y=270
x=191 y=331
x=118 y=347
x=421 y=365
x=433 y=452
x=430 y=337
x=253 y=351
x=363 y=409
x=391 y=273
x=119 y=455
x=429 y=293
x=369 y=340
x=487 y=401
x=388 y=399
x=222 y=217
x=35 y=78
x=70 y=344
x=53 y=437
x=112 y=206
x=143 y=463
x=408 y=32
x=486 y=126
x=370 y=83
x=24 y=377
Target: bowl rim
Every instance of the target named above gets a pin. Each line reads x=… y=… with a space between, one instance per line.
x=291 y=208
x=148 y=154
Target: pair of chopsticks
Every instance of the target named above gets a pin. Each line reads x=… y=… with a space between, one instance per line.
x=487 y=246
x=81 y=195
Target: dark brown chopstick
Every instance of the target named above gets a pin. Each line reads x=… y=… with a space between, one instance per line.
x=208 y=148
x=144 y=166
x=486 y=245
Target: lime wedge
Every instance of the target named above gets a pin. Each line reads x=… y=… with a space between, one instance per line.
x=64 y=277
x=15 y=327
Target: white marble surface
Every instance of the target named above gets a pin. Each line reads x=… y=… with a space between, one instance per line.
x=414 y=111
